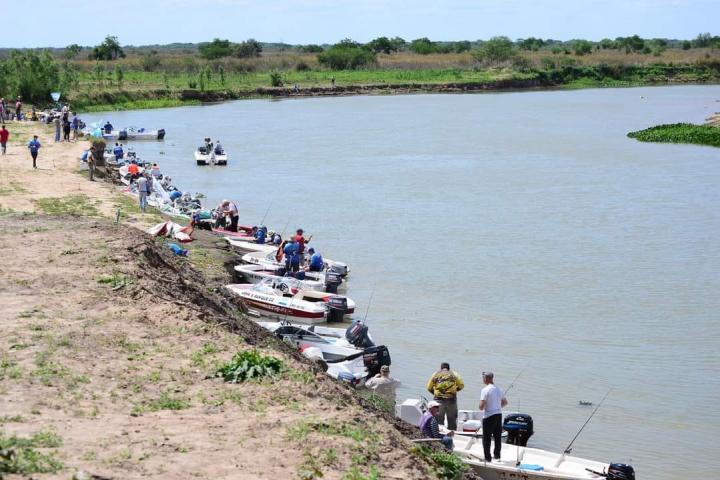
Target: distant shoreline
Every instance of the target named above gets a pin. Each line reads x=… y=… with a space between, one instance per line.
x=162 y=98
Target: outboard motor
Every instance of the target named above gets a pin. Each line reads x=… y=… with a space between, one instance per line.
x=122 y=135
x=161 y=134
x=337 y=306
x=339 y=268
x=519 y=427
x=332 y=281
x=620 y=471
x=374 y=358
x=357 y=335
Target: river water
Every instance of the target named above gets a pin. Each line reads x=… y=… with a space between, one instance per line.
x=507 y=232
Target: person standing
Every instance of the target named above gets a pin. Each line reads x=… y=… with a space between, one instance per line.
x=301 y=241
x=292 y=259
x=4 y=135
x=428 y=425
x=75 y=124
x=91 y=163
x=66 y=130
x=143 y=191
x=2 y=111
x=34 y=146
x=56 y=122
x=18 y=108
x=491 y=402
x=118 y=152
x=383 y=385
x=445 y=385
x=231 y=211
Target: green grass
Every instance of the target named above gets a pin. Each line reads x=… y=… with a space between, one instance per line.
x=19 y=455
x=76 y=205
x=680 y=133
x=445 y=465
x=165 y=401
x=140 y=105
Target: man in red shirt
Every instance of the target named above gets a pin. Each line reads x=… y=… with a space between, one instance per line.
x=4 y=134
x=301 y=244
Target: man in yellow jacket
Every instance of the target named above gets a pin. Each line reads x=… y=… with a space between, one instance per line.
x=444 y=385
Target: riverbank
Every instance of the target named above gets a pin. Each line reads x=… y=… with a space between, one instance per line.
x=147 y=91
x=110 y=344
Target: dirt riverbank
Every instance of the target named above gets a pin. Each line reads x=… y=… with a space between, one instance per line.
x=109 y=344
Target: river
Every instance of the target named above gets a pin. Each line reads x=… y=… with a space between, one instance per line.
x=507 y=232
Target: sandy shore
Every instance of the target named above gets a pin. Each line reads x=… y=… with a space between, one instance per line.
x=108 y=346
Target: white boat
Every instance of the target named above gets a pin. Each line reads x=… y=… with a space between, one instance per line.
x=134 y=133
x=519 y=462
x=469 y=422
x=213 y=157
x=248 y=244
x=350 y=354
x=258 y=273
x=275 y=299
x=268 y=260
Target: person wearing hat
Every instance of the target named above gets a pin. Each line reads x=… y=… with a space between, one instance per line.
x=382 y=385
x=492 y=400
x=301 y=241
x=428 y=425
x=316 y=261
x=445 y=385
x=34 y=146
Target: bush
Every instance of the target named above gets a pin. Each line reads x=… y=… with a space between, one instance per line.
x=423 y=46
x=311 y=49
x=216 y=49
x=249 y=364
x=582 y=47
x=495 y=51
x=302 y=66
x=248 y=49
x=276 y=79
x=346 y=55
x=445 y=465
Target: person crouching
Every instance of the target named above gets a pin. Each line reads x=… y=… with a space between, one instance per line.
x=428 y=424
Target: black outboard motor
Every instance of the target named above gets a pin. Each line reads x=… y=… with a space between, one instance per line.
x=519 y=427
x=332 y=281
x=161 y=134
x=122 y=135
x=357 y=335
x=374 y=358
x=337 y=306
x=620 y=471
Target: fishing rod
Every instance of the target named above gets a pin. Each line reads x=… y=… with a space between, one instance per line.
x=265 y=216
x=369 y=303
x=568 y=449
x=512 y=384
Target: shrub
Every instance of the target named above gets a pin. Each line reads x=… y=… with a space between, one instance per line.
x=248 y=49
x=346 y=55
x=216 y=49
x=445 y=465
x=496 y=50
x=302 y=66
x=582 y=47
x=276 y=79
x=423 y=46
x=249 y=364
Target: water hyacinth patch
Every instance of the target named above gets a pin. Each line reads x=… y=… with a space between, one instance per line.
x=680 y=133
x=248 y=365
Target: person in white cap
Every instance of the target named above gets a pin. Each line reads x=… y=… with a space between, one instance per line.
x=428 y=424
x=492 y=400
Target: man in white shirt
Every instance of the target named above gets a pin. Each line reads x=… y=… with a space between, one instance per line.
x=384 y=386
x=491 y=402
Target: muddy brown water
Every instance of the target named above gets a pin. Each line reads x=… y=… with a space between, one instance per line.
x=507 y=232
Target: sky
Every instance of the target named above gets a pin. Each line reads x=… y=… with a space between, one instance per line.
x=144 y=22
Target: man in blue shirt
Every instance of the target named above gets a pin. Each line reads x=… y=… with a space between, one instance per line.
x=316 y=261
x=428 y=425
x=118 y=152
x=34 y=146
x=292 y=258
x=108 y=127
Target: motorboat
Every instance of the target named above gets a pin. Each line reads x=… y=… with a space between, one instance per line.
x=276 y=299
x=269 y=260
x=134 y=133
x=350 y=354
x=326 y=281
x=258 y=273
x=211 y=157
x=248 y=244
x=517 y=461
x=469 y=422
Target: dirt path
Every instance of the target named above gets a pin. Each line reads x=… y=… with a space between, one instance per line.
x=108 y=346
